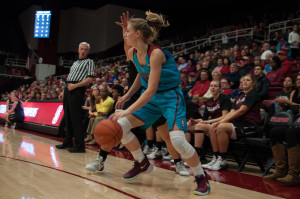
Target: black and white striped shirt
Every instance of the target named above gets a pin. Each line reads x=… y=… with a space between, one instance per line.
x=81 y=69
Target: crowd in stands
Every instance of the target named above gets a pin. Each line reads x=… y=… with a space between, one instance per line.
x=272 y=63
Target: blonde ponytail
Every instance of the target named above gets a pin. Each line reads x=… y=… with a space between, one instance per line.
x=150 y=27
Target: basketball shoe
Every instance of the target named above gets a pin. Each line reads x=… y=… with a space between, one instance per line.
x=219 y=165
x=180 y=169
x=13 y=126
x=147 y=150
x=203 y=187
x=138 y=168
x=96 y=165
x=156 y=154
x=212 y=162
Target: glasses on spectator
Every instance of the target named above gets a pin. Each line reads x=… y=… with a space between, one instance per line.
x=223 y=82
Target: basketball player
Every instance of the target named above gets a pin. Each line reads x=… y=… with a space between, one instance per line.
x=158 y=74
x=160 y=125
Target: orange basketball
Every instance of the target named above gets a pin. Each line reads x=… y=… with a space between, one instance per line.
x=108 y=133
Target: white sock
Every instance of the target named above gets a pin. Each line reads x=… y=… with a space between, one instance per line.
x=138 y=155
x=197 y=170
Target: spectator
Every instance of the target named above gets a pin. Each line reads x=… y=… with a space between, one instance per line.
x=183 y=77
x=99 y=82
x=234 y=76
x=267 y=63
x=200 y=87
x=286 y=65
x=54 y=96
x=117 y=93
x=94 y=96
x=48 y=96
x=43 y=96
x=14 y=110
x=191 y=66
x=103 y=109
x=237 y=92
x=116 y=82
x=244 y=66
x=283 y=45
x=294 y=40
x=217 y=76
x=226 y=66
x=113 y=76
x=191 y=82
x=235 y=57
x=215 y=109
x=183 y=64
x=294 y=101
x=287 y=161
x=225 y=86
x=255 y=50
x=242 y=120
x=219 y=65
x=275 y=76
x=263 y=83
x=277 y=105
x=257 y=61
x=265 y=50
x=32 y=95
x=124 y=82
x=38 y=96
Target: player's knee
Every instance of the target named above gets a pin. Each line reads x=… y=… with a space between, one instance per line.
x=181 y=145
x=126 y=127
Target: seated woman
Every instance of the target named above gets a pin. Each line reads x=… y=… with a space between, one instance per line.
x=293 y=102
x=242 y=120
x=103 y=109
x=287 y=163
x=14 y=110
x=93 y=100
x=275 y=75
x=215 y=109
x=278 y=104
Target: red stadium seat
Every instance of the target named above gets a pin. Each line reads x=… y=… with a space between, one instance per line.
x=267 y=102
x=273 y=92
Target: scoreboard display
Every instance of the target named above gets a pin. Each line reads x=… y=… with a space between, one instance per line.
x=42 y=24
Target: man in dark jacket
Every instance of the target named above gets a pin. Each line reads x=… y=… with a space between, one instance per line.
x=263 y=83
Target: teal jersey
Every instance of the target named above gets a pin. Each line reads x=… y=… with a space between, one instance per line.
x=169 y=78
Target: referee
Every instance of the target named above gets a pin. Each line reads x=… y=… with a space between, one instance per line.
x=81 y=74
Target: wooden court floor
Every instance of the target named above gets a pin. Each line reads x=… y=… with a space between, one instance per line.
x=31 y=168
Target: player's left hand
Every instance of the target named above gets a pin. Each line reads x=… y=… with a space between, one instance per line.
x=119 y=114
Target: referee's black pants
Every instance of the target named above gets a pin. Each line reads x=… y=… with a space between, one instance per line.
x=73 y=102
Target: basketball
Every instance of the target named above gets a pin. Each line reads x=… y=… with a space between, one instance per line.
x=108 y=133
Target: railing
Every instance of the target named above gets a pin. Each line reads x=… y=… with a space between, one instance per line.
x=282 y=26
x=247 y=32
x=67 y=63
x=15 y=62
x=197 y=44
x=16 y=76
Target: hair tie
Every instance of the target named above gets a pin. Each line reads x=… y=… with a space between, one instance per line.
x=148 y=22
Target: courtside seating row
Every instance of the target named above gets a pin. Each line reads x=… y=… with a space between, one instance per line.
x=261 y=144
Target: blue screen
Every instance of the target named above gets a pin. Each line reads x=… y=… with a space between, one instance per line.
x=42 y=24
